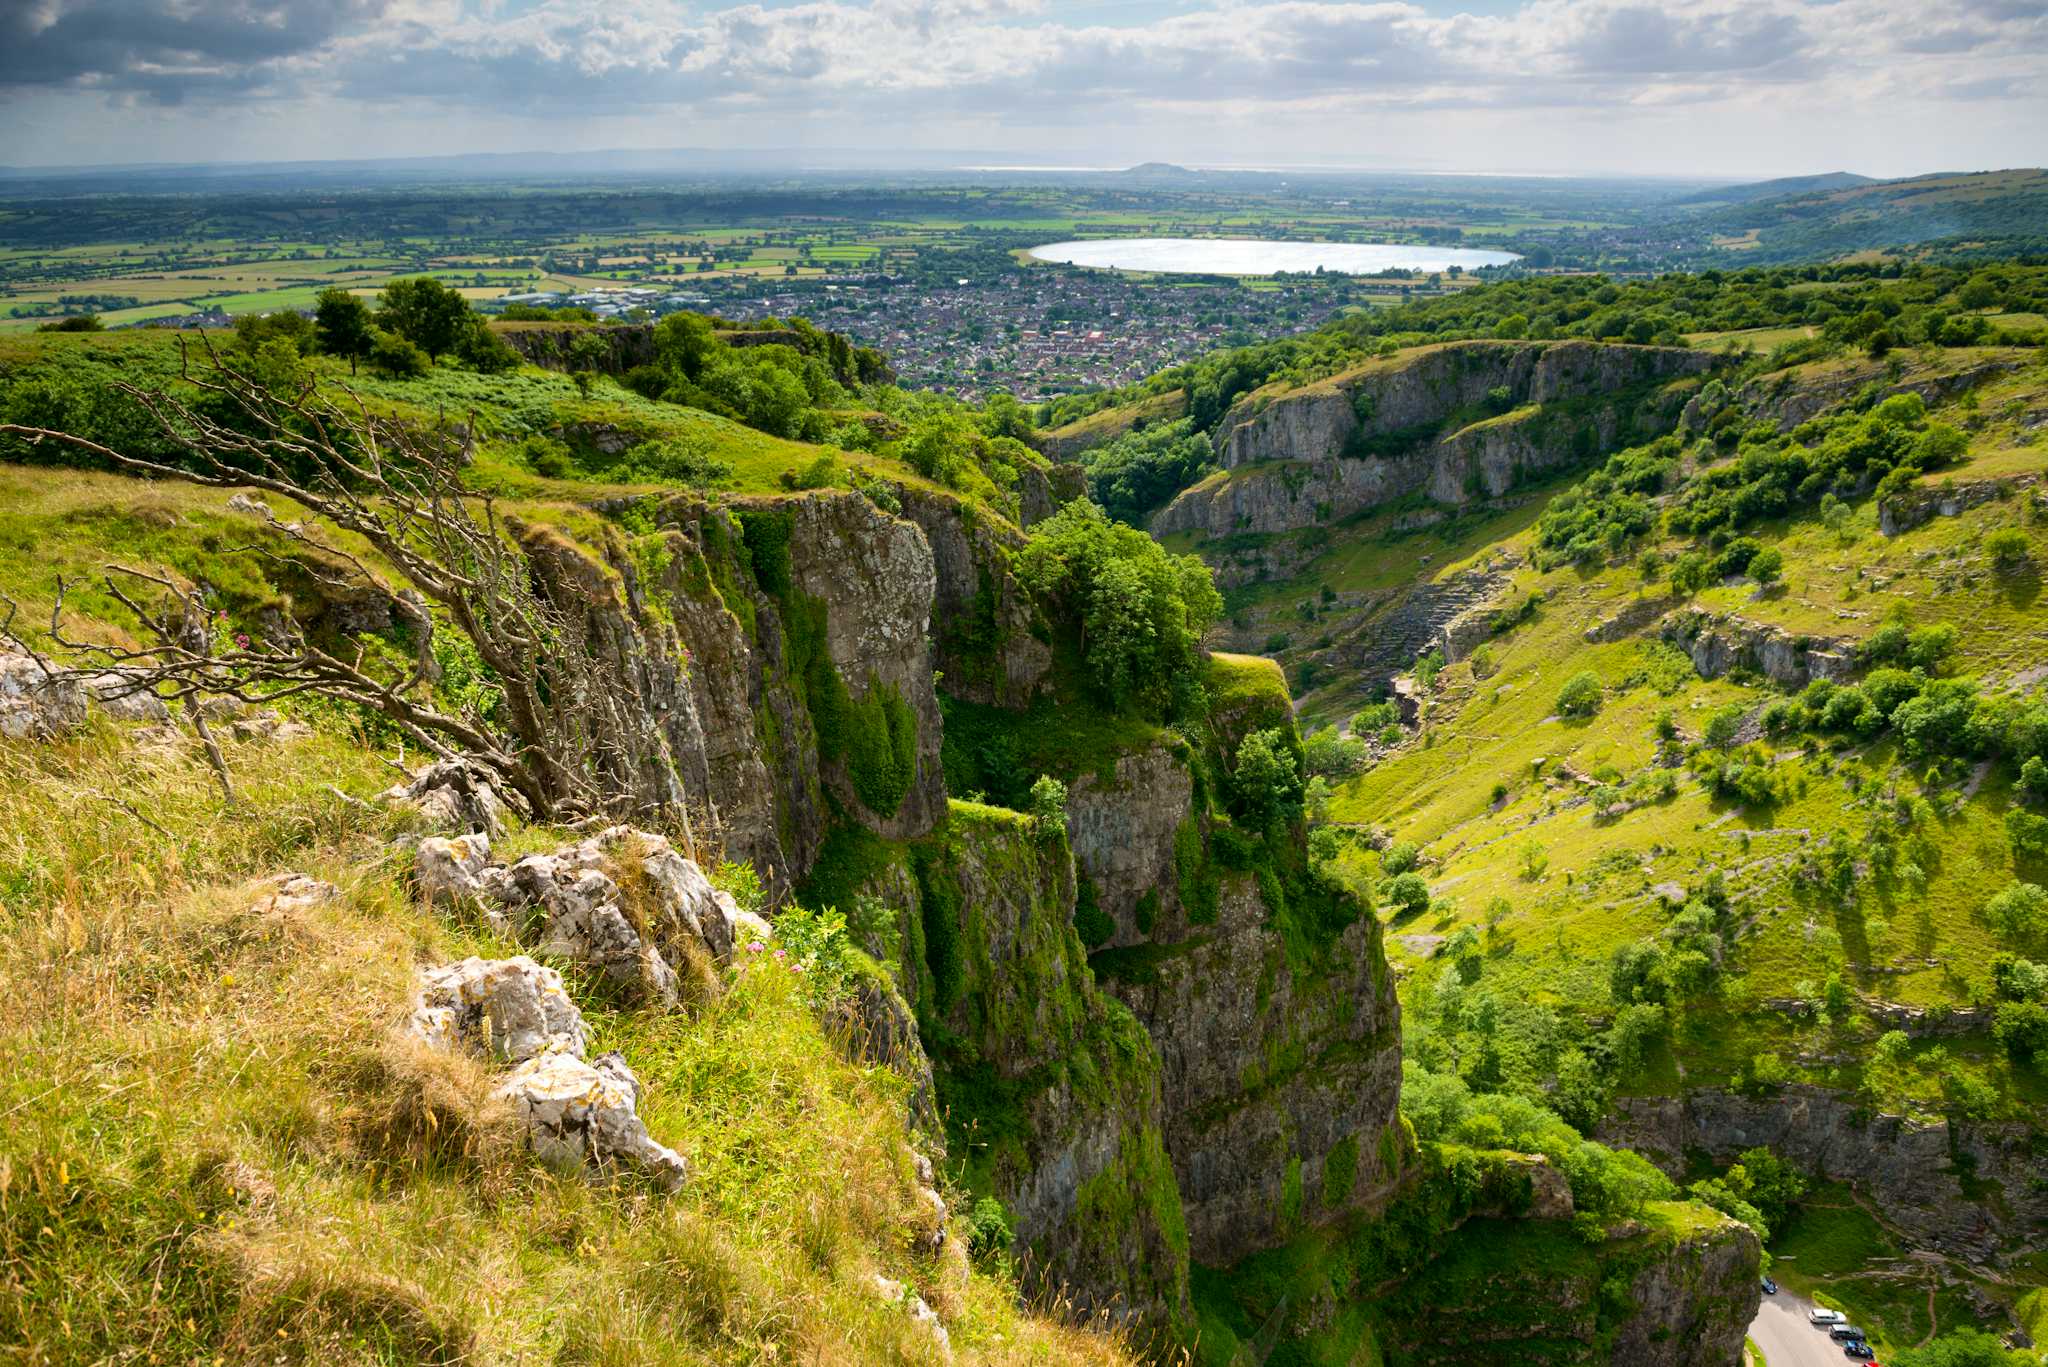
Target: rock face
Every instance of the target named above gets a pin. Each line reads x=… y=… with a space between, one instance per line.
x=1378 y=433
x=1718 y=643
x=1919 y=504
x=999 y=967
x=577 y=1113
x=40 y=700
x=1424 y=385
x=623 y=902
x=1507 y=1293
x=1279 y=1082
x=1914 y=1170
x=453 y=796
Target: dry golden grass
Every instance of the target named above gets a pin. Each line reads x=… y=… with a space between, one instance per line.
x=214 y=1146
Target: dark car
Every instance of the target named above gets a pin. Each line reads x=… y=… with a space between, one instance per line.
x=1858 y=1349
x=1770 y=1287
x=1846 y=1333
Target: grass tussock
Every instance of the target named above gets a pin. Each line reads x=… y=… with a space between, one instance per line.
x=213 y=1145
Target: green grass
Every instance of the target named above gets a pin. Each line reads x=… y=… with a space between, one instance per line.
x=216 y=1143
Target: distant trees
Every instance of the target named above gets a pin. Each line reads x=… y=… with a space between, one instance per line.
x=1265 y=781
x=342 y=326
x=426 y=313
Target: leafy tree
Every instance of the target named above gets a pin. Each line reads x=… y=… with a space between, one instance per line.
x=485 y=352
x=1264 y=781
x=2021 y=1029
x=426 y=313
x=1142 y=611
x=1580 y=696
x=2008 y=548
x=2019 y=913
x=1049 y=806
x=77 y=322
x=341 y=325
x=294 y=329
x=1408 y=892
x=1766 y=565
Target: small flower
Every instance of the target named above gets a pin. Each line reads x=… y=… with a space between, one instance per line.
x=242 y=639
x=755 y=946
x=782 y=954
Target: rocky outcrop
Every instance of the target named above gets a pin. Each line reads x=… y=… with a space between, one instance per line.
x=989 y=637
x=577 y=1113
x=1919 y=504
x=453 y=796
x=1280 y=1084
x=1914 y=1172
x=1692 y=1303
x=622 y=902
x=548 y=345
x=1123 y=829
x=1791 y=397
x=1422 y=386
x=1719 y=642
x=1517 y=1292
x=40 y=700
x=993 y=958
x=1374 y=435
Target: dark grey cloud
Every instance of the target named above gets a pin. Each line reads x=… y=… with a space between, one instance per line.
x=166 y=49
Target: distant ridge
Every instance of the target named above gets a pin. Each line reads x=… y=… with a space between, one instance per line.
x=1775 y=189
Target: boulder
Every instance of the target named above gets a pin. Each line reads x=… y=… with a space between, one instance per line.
x=453 y=795
x=124 y=696
x=37 y=701
x=446 y=871
x=290 y=893
x=510 y=1009
x=577 y=1112
x=581 y=1114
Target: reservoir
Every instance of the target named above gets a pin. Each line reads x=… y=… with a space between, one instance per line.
x=1242 y=256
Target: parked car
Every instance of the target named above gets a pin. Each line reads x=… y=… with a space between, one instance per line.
x=1770 y=1287
x=1818 y=1316
x=1859 y=1350
x=1846 y=1333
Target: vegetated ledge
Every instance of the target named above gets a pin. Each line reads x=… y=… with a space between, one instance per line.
x=1477 y=1262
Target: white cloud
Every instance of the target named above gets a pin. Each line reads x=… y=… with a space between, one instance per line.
x=818 y=71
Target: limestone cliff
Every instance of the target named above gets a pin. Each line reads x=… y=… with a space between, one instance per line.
x=1452 y=424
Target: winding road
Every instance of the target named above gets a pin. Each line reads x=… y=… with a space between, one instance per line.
x=1781 y=1330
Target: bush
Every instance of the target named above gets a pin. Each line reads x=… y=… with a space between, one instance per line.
x=2008 y=548
x=1580 y=696
x=2019 y=913
x=393 y=355
x=1407 y=892
x=1049 y=806
x=2021 y=1029
x=1265 y=785
x=1400 y=858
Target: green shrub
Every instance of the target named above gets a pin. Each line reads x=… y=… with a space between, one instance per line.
x=2008 y=548
x=1580 y=696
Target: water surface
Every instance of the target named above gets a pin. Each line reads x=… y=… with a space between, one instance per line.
x=1242 y=256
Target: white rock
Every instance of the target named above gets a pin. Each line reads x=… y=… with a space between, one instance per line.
x=37 y=700
x=249 y=506
x=453 y=795
x=896 y=1293
x=586 y=1114
x=576 y=912
x=124 y=697
x=447 y=870
x=512 y=1009
x=292 y=892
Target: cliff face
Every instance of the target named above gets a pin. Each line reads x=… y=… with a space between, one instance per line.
x=1223 y=1076
x=1916 y=1170
x=1424 y=386
x=1510 y=1293
x=1378 y=433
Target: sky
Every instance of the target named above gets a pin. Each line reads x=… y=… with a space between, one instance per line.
x=1689 y=88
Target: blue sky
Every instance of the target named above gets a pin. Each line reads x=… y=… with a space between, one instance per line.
x=1706 y=87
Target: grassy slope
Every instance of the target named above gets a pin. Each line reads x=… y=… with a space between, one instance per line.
x=1594 y=890
x=213 y=1143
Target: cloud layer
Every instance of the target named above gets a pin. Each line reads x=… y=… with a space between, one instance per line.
x=1003 y=74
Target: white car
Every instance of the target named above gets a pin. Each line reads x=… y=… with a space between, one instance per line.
x=1825 y=1317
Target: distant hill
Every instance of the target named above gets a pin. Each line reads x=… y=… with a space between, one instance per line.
x=1773 y=189
x=1980 y=212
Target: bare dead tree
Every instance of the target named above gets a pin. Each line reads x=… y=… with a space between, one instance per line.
x=565 y=739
